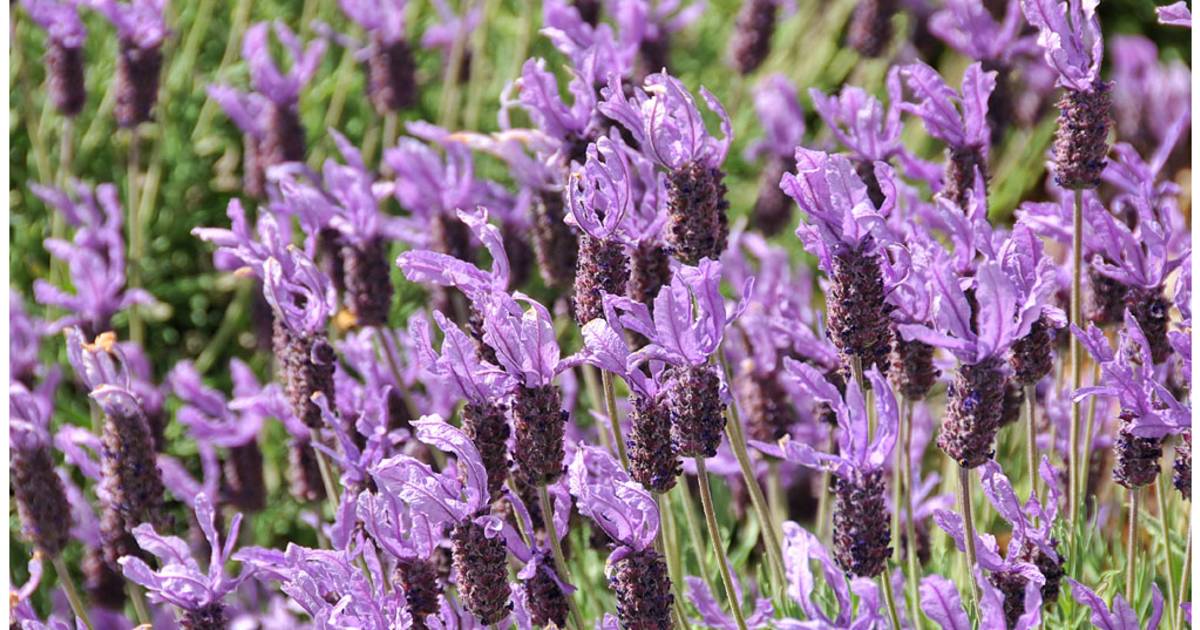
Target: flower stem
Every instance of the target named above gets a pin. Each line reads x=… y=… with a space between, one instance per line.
x=823 y=497
x=1130 y=554
x=667 y=545
x=1085 y=463
x=885 y=581
x=448 y=105
x=560 y=562
x=910 y=530
x=1187 y=566
x=714 y=534
x=689 y=509
x=610 y=409
x=141 y=609
x=1172 y=602
x=137 y=331
x=1076 y=352
x=775 y=496
x=68 y=584
x=597 y=399
x=1031 y=437
x=964 y=488
x=332 y=494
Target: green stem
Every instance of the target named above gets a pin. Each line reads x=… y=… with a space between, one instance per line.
x=1130 y=553
x=1187 y=565
x=482 y=61
x=888 y=596
x=714 y=534
x=137 y=331
x=241 y=17
x=823 y=499
x=332 y=494
x=1085 y=464
x=689 y=511
x=560 y=562
x=1076 y=353
x=1172 y=602
x=610 y=405
x=775 y=496
x=964 y=493
x=597 y=398
x=450 y=75
x=910 y=530
x=669 y=548
x=141 y=610
x=68 y=584
x=228 y=328
x=1031 y=437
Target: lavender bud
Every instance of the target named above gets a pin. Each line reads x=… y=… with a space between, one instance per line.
x=1137 y=459
x=304 y=473
x=649 y=271
x=129 y=472
x=254 y=169
x=554 y=242
x=481 y=565
x=540 y=424
x=643 y=589
x=64 y=73
x=1105 y=302
x=1152 y=312
x=393 y=79
x=602 y=268
x=104 y=584
x=697 y=223
x=137 y=83
x=652 y=459
x=912 y=373
x=488 y=430
x=861 y=523
x=418 y=580
x=1011 y=585
x=773 y=208
x=653 y=55
x=858 y=315
x=115 y=539
x=752 y=33
x=871 y=26
x=544 y=597
x=368 y=282
x=764 y=403
x=1033 y=355
x=307 y=367
x=1014 y=397
x=41 y=499
x=284 y=140
x=973 y=412
x=1081 y=143
x=693 y=396
x=1183 y=465
x=211 y=617
x=959 y=178
x=1050 y=569
x=244 y=475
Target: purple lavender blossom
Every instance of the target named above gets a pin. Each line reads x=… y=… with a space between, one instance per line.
x=1175 y=14
x=66 y=35
x=782 y=119
x=969 y=28
x=141 y=27
x=711 y=614
x=648 y=26
x=1011 y=591
x=1149 y=95
x=390 y=64
x=450 y=30
x=800 y=549
x=40 y=497
x=1121 y=616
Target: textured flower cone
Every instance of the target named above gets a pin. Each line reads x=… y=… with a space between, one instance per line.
x=649 y=271
x=752 y=33
x=959 y=178
x=1105 y=299
x=654 y=55
x=765 y=405
x=105 y=585
x=210 y=617
x=307 y=364
x=330 y=257
x=589 y=10
x=773 y=208
x=475 y=328
x=130 y=474
x=865 y=169
x=652 y=459
x=1081 y=143
x=393 y=76
x=244 y=476
x=156 y=419
x=643 y=590
x=368 y=282
x=520 y=253
x=693 y=397
x=1137 y=459
x=41 y=500
x=1183 y=465
x=871 y=26
x=304 y=473
x=1050 y=568
x=861 y=524
x=418 y=580
x=1014 y=398
x=285 y=141
x=254 y=170
x=544 y=598
x=602 y=268
x=488 y=429
x=540 y=424
x=554 y=242
x=1000 y=111
x=1012 y=586
x=973 y=412
x=137 y=83
x=115 y=539
x=1033 y=355
x=64 y=77
x=482 y=568
x=858 y=316
x=697 y=224
x=912 y=373
x=1152 y=312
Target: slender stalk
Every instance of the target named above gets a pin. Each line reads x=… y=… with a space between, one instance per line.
x=560 y=562
x=1076 y=352
x=1086 y=468
x=964 y=488
x=775 y=497
x=594 y=394
x=1031 y=438
x=888 y=596
x=610 y=409
x=332 y=494
x=72 y=592
x=1187 y=567
x=666 y=544
x=448 y=105
x=910 y=530
x=1130 y=554
x=391 y=125
x=714 y=534
x=823 y=499
x=689 y=510
x=141 y=609
x=899 y=491
x=137 y=331
x=483 y=64
x=1172 y=602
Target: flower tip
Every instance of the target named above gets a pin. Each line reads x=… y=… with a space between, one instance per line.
x=105 y=341
x=345 y=320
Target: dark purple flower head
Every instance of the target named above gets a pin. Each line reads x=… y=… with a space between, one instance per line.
x=141 y=22
x=841 y=215
x=994 y=607
x=179 y=579
x=601 y=194
x=430 y=267
x=781 y=116
x=283 y=88
x=604 y=493
x=959 y=120
x=666 y=124
x=61 y=20
x=860 y=122
x=1176 y=14
x=1069 y=34
x=682 y=334
x=1121 y=616
x=458 y=364
x=969 y=28
x=382 y=18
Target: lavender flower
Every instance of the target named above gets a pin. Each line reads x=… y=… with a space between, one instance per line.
x=629 y=516
x=96 y=258
x=1011 y=594
x=1175 y=14
x=40 y=497
x=411 y=539
x=391 y=68
x=667 y=126
x=912 y=372
x=870 y=27
x=1121 y=616
x=1033 y=274
x=282 y=134
x=66 y=35
x=141 y=27
x=449 y=29
x=751 y=40
x=800 y=549
x=179 y=579
x=648 y=26
x=960 y=121
x=778 y=107
x=1150 y=95
x=711 y=615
